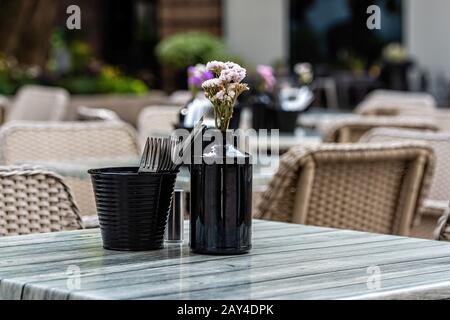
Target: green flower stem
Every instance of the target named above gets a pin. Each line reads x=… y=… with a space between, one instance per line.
x=223 y=114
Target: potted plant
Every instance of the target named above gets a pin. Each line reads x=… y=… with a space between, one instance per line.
x=221 y=177
x=395 y=65
x=179 y=51
x=263 y=100
x=292 y=101
x=304 y=73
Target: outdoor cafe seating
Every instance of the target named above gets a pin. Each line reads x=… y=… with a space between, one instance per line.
x=70 y=148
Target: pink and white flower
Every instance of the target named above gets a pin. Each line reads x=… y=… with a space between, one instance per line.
x=216 y=66
x=224 y=89
x=266 y=73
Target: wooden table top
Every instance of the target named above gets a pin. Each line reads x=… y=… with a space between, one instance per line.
x=287 y=262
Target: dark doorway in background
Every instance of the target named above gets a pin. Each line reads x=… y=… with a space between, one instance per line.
x=334 y=32
x=130 y=34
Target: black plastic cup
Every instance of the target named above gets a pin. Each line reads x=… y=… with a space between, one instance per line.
x=132 y=208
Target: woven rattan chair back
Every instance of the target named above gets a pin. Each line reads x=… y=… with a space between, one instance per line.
x=157 y=120
x=439 y=141
x=33 y=200
x=38 y=103
x=180 y=97
x=392 y=102
x=351 y=130
x=67 y=143
x=442 y=119
x=64 y=141
x=366 y=187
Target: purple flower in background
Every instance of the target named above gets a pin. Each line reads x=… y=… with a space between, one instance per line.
x=207 y=75
x=197 y=75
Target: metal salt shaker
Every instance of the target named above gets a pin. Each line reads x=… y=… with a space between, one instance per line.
x=175 y=224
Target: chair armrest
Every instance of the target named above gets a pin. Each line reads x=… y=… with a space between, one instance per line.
x=442 y=231
x=90 y=222
x=434 y=207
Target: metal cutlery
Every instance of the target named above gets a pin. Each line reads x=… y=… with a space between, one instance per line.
x=163 y=154
x=157 y=155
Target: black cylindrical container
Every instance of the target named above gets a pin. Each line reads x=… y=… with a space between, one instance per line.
x=221 y=199
x=132 y=208
x=286 y=121
x=262 y=114
x=236 y=119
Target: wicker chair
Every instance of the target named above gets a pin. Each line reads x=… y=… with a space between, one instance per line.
x=157 y=120
x=126 y=106
x=33 y=200
x=38 y=103
x=366 y=187
x=180 y=97
x=440 y=142
x=391 y=102
x=442 y=119
x=440 y=116
x=352 y=129
x=66 y=146
x=413 y=104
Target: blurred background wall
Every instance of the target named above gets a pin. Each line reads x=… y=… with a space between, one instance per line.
x=151 y=41
x=257 y=30
x=426 y=33
x=427 y=27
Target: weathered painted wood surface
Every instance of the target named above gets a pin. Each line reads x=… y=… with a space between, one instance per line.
x=287 y=262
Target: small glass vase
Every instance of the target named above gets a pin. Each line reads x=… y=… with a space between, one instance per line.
x=221 y=201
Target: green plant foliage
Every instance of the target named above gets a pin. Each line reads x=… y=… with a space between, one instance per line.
x=110 y=80
x=186 y=49
x=80 y=84
x=13 y=75
x=72 y=66
x=81 y=55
